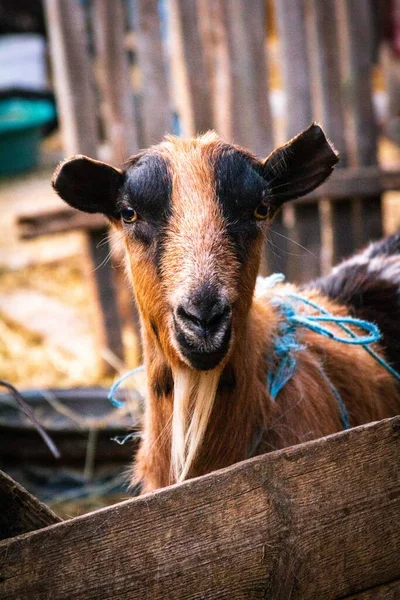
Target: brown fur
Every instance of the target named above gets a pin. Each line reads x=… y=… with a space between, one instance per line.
x=177 y=444
x=305 y=408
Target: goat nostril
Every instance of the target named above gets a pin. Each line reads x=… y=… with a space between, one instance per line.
x=204 y=318
x=185 y=314
x=216 y=318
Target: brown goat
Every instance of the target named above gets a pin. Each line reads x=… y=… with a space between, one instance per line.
x=194 y=215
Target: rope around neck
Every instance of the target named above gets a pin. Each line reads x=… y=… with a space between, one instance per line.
x=282 y=365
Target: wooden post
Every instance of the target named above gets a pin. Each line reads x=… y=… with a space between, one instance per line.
x=359 y=41
x=300 y=224
x=194 y=59
x=250 y=115
x=114 y=76
x=20 y=512
x=336 y=217
x=72 y=76
x=99 y=251
x=214 y=35
x=156 y=104
x=119 y=118
x=77 y=110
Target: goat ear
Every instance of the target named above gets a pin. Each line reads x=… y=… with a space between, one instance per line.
x=299 y=166
x=88 y=185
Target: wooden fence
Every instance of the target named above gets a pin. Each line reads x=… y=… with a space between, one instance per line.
x=152 y=66
x=318 y=521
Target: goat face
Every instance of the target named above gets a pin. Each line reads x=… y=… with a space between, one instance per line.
x=193 y=215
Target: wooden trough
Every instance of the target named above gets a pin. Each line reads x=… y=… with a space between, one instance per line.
x=314 y=521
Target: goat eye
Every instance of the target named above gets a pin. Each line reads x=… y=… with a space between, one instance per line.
x=262 y=211
x=128 y=215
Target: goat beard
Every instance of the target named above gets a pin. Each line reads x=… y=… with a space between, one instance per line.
x=194 y=396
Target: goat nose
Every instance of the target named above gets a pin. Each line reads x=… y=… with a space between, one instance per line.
x=207 y=317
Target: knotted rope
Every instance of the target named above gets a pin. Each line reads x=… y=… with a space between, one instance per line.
x=282 y=364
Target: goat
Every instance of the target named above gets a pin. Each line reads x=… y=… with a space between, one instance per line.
x=194 y=215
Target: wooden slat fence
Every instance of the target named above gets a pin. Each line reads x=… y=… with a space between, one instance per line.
x=199 y=64
x=318 y=521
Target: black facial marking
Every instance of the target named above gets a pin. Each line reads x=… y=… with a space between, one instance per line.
x=147 y=189
x=163 y=385
x=240 y=189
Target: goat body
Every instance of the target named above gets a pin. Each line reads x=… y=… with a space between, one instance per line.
x=193 y=215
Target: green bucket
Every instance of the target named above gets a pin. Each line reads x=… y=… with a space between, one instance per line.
x=21 y=122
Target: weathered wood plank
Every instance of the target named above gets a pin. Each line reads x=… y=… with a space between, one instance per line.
x=195 y=64
x=250 y=115
x=20 y=512
x=114 y=78
x=359 y=25
x=291 y=21
x=156 y=106
x=324 y=25
x=72 y=76
x=47 y=222
x=362 y=181
x=77 y=107
x=99 y=250
x=306 y=522
x=389 y=591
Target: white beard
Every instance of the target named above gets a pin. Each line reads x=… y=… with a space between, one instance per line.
x=194 y=395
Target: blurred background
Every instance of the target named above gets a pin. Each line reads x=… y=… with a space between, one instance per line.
x=108 y=77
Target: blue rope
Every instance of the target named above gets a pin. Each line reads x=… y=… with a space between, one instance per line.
x=116 y=385
x=286 y=344
x=282 y=364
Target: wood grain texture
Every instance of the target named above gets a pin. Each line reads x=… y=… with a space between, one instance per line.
x=114 y=79
x=64 y=219
x=104 y=284
x=20 y=512
x=300 y=112
x=389 y=591
x=315 y=521
x=249 y=110
x=72 y=76
x=156 y=107
x=195 y=64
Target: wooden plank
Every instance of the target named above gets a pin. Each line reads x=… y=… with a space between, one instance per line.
x=362 y=181
x=119 y=117
x=40 y=223
x=114 y=78
x=304 y=222
x=214 y=34
x=105 y=288
x=72 y=76
x=195 y=64
x=295 y=65
x=359 y=29
x=389 y=591
x=156 y=106
x=302 y=523
x=77 y=108
x=250 y=115
x=20 y=512
x=327 y=81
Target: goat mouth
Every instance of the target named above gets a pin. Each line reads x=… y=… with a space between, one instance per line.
x=199 y=356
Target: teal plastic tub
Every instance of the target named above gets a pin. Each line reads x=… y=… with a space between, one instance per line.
x=21 y=123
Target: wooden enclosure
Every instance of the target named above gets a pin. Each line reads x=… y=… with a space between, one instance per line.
x=258 y=72
x=318 y=521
